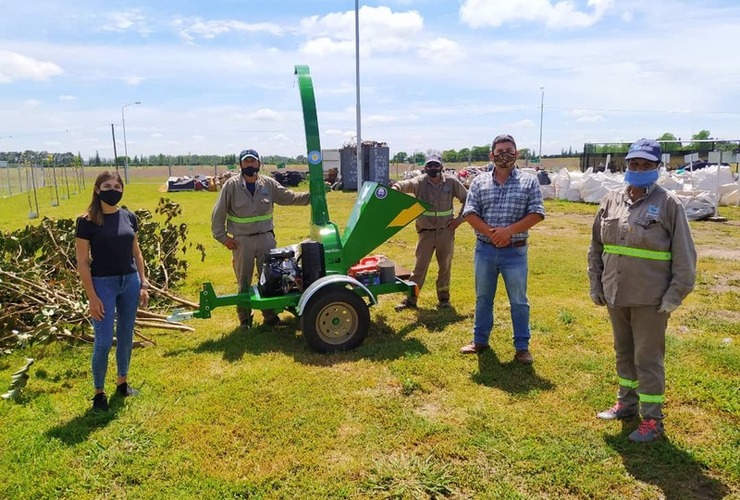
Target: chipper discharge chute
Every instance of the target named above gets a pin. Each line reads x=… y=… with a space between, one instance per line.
x=311 y=278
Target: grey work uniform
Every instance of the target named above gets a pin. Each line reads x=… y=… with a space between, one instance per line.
x=248 y=219
x=641 y=253
x=434 y=237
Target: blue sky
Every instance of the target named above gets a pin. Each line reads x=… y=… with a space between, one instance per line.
x=216 y=77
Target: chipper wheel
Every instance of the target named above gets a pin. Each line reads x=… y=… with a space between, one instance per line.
x=335 y=320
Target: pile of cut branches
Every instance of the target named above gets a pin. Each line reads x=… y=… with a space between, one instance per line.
x=42 y=298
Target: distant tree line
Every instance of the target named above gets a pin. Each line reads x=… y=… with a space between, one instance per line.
x=70 y=159
x=474 y=154
x=671 y=147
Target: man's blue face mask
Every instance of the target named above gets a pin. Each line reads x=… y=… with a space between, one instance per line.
x=641 y=178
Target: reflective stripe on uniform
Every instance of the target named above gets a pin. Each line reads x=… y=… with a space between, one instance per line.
x=640 y=253
x=652 y=398
x=438 y=214
x=631 y=384
x=247 y=220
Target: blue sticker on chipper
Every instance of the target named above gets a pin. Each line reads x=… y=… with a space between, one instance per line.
x=314 y=157
x=381 y=193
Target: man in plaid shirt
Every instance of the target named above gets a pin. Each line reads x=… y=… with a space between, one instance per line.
x=501 y=206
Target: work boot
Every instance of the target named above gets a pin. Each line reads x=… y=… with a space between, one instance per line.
x=649 y=430
x=619 y=411
x=524 y=357
x=246 y=323
x=406 y=304
x=272 y=320
x=474 y=348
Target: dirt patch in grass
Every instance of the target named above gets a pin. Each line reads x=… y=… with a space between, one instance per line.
x=726 y=282
x=559 y=223
x=715 y=252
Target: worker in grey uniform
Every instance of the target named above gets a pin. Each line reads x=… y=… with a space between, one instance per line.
x=242 y=221
x=436 y=227
x=641 y=265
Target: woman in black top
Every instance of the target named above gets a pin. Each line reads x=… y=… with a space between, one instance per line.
x=112 y=271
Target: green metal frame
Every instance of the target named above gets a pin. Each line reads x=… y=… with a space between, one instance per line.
x=378 y=214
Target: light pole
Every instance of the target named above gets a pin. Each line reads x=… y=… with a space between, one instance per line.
x=542 y=112
x=360 y=158
x=125 y=146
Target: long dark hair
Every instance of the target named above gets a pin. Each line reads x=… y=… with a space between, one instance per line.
x=94 y=211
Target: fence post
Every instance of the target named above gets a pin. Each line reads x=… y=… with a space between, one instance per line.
x=56 y=190
x=32 y=214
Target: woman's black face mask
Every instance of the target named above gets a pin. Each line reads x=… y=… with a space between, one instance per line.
x=110 y=197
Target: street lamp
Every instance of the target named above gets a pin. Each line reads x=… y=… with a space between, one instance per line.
x=360 y=157
x=125 y=146
x=542 y=112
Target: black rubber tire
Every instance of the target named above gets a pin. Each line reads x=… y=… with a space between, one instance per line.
x=335 y=320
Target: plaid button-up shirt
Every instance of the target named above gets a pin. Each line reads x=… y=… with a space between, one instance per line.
x=502 y=205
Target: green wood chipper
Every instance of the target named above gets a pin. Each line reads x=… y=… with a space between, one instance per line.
x=312 y=279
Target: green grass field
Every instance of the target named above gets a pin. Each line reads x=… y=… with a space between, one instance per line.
x=225 y=413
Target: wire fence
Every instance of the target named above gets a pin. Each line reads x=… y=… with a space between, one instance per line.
x=41 y=184
x=45 y=185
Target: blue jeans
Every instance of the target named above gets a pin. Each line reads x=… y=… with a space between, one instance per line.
x=511 y=263
x=120 y=297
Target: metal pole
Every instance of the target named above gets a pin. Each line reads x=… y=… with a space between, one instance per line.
x=542 y=112
x=115 y=153
x=56 y=188
x=360 y=161
x=66 y=181
x=35 y=214
x=125 y=145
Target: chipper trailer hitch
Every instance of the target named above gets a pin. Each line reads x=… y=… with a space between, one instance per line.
x=332 y=305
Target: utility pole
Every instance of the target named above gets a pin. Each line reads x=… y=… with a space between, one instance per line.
x=115 y=153
x=360 y=162
x=542 y=113
x=125 y=146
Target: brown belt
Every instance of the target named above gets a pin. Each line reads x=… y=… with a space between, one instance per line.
x=516 y=244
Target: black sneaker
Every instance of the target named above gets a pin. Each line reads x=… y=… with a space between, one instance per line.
x=100 y=402
x=124 y=390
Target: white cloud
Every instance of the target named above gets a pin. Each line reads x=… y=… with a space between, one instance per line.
x=381 y=31
x=522 y=124
x=125 y=21
x=590 y=119
x=192 y=28
x=442 y=51
x=67 y=98
x=553 y=14
x=380 y=119
x=15 y=67
x=265 y=115
x=325 y=46
x=133 y=80
x=586 y=116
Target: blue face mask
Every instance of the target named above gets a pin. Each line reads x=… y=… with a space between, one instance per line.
x=641 y=178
